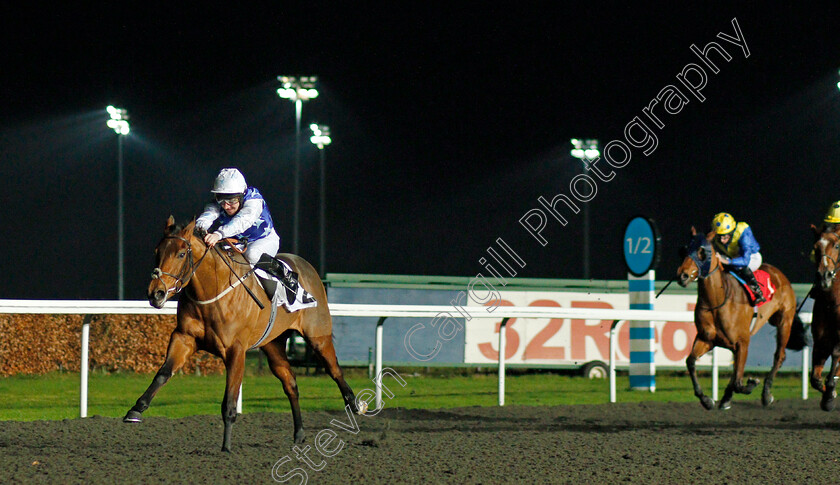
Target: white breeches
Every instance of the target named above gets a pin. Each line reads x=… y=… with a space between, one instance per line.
x=755 y=262
x=269 y=245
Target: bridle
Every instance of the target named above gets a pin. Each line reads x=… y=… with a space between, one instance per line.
x=704 y=269
x=190 y=266
x=834 y=263
x=188 y=269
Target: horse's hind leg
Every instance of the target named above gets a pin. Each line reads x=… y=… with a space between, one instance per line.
x=782 y=336
x=324 y=348
x=181 y=347
x=698 y=350
x=234 y=370
x=278 y=362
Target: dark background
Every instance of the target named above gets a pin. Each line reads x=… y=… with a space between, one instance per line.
x=448 y=121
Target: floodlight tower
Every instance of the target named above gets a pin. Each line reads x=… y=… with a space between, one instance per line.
x=297 y=90
x=119 y=123
x=321 y=138
x=585 y=149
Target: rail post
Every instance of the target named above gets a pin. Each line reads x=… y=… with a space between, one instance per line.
x=378 y=374
x=714 y=374
x=239 y=399
x=613 y=349
x=502 y=340
x=83 y=387
x=805 y=358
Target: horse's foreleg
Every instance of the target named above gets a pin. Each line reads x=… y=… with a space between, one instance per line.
x=699 y=348
x=782 y=336
x=278 y=362
x=736 y=382
x=820 y=354
x=324 y=348
x=830 y=393
x=181 y=347
x=234 y=370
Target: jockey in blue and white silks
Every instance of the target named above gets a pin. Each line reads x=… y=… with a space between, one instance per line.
x=239 y=212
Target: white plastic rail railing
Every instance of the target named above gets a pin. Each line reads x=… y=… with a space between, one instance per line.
x=98 y=307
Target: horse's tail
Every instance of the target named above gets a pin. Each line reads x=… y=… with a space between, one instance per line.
x=799 y=338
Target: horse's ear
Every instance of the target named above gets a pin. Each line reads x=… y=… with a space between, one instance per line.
x=816 y=231
x=693 y=231
x=170 y=223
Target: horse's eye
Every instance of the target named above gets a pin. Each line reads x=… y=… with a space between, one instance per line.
x=837 y=246
x=182 y=254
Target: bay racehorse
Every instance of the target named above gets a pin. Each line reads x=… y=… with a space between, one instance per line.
x=217 y=313
x=723 y=314
x=825 y=324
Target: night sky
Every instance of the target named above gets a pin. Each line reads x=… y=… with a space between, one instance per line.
x=448 y=123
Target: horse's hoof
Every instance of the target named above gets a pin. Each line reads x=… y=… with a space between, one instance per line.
x=767 y=400
x=225 y=449
x=362 y=408
x=707 y=402
x=132 y=417
x=725 y=405
x=827 y=402
x=300 y=436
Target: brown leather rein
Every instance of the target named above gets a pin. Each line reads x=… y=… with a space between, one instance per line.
x=190 y=266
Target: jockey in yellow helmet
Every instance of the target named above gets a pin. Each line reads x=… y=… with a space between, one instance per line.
x=831 y=222
x=738 y=250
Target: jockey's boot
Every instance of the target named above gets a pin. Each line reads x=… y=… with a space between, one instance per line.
x=269 y=285
x=747 y=275
x=288 y=278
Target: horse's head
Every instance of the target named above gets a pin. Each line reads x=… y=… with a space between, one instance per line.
x=698 y=258
x=174 y=262
x=827 y=256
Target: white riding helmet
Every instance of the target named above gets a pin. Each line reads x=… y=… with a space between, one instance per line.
x=229 y=181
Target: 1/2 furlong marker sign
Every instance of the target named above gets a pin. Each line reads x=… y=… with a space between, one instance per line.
x=641 y=254
x=641 y=246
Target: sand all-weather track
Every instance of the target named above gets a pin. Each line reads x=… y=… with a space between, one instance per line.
x=791 y=441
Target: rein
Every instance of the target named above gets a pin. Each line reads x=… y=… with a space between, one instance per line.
x=238 y=280
x=725 y=298
x=190 y=266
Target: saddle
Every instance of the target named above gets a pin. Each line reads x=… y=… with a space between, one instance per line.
x=763 y=279
x=281 y=284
